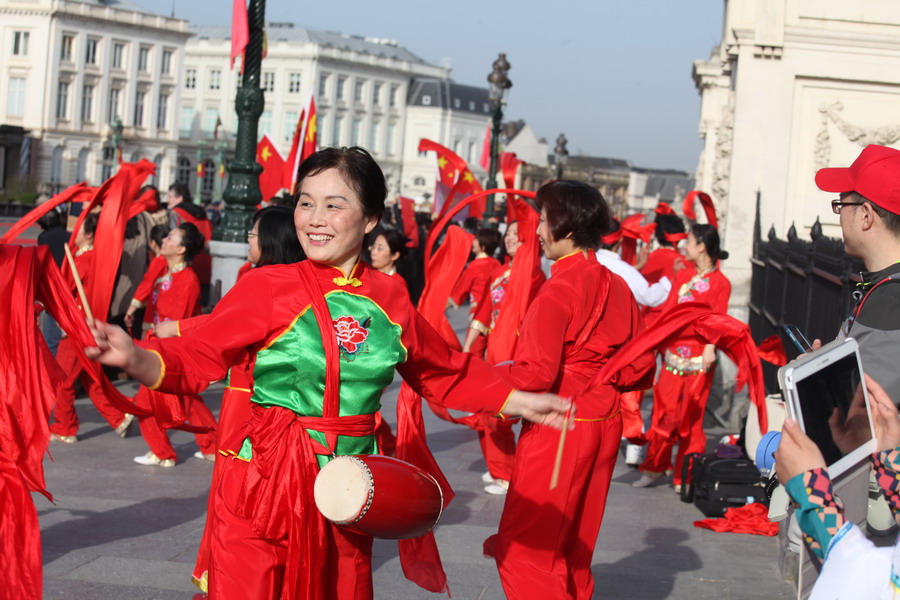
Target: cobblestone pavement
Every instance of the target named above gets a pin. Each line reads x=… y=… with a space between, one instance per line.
x=119 y=530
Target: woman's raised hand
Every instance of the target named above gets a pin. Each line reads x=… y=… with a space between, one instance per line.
x=114 y=347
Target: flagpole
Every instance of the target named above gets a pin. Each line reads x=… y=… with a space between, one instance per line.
x=242 y=193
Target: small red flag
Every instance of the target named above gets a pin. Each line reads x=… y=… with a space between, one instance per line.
x=293 y=161
x=410 y=227
x=271 y=180
x=454 y=179
x=240 y=30
x=311 y=139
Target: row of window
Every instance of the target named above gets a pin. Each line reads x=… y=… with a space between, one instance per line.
x=92 y=45
x=211 y=118
x=16 y=101
x=214 y=83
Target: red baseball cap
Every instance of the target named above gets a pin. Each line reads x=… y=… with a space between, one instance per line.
x=875 y=174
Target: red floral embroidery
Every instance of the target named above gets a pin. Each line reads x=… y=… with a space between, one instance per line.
x=351 y=336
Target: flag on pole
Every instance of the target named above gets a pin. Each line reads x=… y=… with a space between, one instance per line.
x=293 y=159
x=455 y=180
x=240 y=30
x=311 y=139
x=222 y=170
x=410 y=227
x=201 y=169
x=271 y=180
x=485 y=160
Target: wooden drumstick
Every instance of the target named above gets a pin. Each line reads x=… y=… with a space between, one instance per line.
x=557 y=464
x=81 y=294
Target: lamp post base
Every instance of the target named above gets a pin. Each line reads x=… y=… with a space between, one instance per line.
x=228 y=257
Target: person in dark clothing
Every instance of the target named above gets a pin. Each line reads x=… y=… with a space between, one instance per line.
x=55 y=237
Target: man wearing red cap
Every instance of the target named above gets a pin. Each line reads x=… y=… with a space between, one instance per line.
x=869 y=209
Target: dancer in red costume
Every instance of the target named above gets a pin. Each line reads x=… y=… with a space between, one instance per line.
x=272 y=240
x=176 y=296
x=183 y=210
x=680 y=395
x=474 y=282
x=580 y=317
x=497 y=439
x=268 y=539
x=65 y=426
x=666 y=260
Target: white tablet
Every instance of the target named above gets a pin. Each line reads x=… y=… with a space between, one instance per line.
x=818 y=384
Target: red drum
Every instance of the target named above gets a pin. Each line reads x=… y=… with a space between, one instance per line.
x=379 y=495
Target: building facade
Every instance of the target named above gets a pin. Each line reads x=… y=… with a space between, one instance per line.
x=88 y=82
x=360 y=87
x=791 y=88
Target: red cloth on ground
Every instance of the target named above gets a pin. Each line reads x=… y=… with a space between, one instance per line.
x=752 y=518
x=546 y=539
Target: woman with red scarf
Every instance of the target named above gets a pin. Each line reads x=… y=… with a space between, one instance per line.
x=680 y=395
x=578 y=320
x=324 y=337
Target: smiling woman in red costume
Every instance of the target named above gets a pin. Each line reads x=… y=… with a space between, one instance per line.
x=680 y=395
x=312 y=400
x=578 y=320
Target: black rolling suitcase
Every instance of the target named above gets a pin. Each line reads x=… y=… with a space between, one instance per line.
x=715 y=484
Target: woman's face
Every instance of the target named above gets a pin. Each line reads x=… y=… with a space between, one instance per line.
x=476 y=246
x=330 y=221
x=511 y=239
x=253 y=254
x=553 y=249
x=171 y=244
x=382 y=259
x=82 y=238
x=693 y=249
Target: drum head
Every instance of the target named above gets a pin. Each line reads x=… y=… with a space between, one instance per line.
x=342 y=489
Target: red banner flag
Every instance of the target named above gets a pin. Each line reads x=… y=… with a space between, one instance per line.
x=271 y=180
x=454 y=178
x=311 y=139
x=410 y=227
x=293 y=159
x=240 y=30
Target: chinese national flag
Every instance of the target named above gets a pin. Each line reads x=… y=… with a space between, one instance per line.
x=240 y=30
x=292 y=162
x=271 y=180
x=311 y=139
x=455 y=179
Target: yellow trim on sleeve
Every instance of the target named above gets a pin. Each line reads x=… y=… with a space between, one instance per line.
x=137 y=303
x=500 y=412
x=237 y=389
x=162 y=371
x=607 y=418
x=177 y=328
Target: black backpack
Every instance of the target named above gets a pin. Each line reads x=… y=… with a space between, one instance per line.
x=715 y=484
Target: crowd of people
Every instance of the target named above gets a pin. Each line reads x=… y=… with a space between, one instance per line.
x=324 y=312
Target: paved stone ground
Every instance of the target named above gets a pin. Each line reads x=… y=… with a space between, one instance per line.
x=119 y=530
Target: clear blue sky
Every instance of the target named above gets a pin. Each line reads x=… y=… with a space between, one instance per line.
x=615 y=76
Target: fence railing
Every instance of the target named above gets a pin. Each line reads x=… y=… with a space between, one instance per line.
x=807 y=283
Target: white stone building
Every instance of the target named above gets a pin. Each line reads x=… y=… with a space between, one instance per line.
x=792 y=87
x=72 y=68
x=360 y=87
x=451 y=114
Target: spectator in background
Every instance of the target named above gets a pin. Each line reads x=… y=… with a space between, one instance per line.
x=132 y=266
x=158 y=213
x=183 y=210
x=55 y=237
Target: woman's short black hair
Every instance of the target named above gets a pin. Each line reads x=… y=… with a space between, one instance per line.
x=489 y=239
x=192 y=240
x=182 y=190
x=667 y=224
x=574 y=209
x=158 y=233
x=50 y=220
x=358 y=169
x=708 y=236
x=90 y=223
x=396 y=241
x=277 y=236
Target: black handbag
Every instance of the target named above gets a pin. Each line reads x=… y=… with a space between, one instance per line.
x=715 y=484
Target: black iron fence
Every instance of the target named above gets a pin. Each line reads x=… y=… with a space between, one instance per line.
x=807 y=283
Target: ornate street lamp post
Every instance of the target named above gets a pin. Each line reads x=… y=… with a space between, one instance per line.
x=117 y=138
x=242 y=192
x=241 y=195
x=561 y=154
x=500 y=83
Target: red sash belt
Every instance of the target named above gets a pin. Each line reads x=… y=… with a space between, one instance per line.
x=277 y=495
